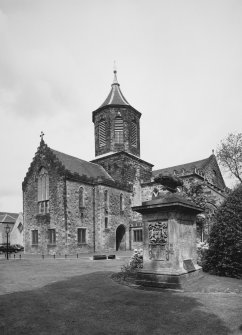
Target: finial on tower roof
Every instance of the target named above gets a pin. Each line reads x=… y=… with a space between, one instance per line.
x=114 y=67
x=213 y=152
x=41 y=136
x=115 y=80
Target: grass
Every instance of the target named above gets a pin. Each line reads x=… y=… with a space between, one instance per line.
x=79 y=297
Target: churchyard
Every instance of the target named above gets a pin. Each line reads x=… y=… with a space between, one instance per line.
x=78 y=296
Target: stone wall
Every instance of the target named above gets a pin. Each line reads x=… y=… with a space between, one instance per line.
x=92 y=216
x=108 y=114
x=55 y=219
x=79 y=217
x=124 y=168
x=106 y=235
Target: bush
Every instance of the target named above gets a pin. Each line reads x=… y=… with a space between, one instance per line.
x=135 y=263
x=224 y=255
x=202 y=248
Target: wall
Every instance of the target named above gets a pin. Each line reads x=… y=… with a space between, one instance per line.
x=79 y=217
x=16 y=235
x=124 y=168
x=108 y=114
x=106 y=237
x=42 y=222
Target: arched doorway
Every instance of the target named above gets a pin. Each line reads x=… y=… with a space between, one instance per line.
x=120 y=238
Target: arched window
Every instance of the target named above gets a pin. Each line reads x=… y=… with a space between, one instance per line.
x=81 y=198
x=134 y=133
x=105 y=197
x=121 y=203
x=118 y=130
x=43 y=191
x=106 y=222
x=102 y=133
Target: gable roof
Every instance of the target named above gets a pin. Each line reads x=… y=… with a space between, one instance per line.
x=203 y=168
x=8 y=217
x=188 y=167
x=81 y=167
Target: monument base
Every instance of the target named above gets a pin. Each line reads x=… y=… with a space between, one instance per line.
x=167 y=279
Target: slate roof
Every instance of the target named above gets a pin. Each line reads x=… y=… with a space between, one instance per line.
x=115 y=96
x=8 y=217
x=188 y=167
x=202 y=166
x=81 y=167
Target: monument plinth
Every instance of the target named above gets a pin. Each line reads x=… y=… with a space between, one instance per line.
x=169 y=227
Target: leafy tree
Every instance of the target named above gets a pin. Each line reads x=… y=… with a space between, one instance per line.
x=229 y=154
x=196 y=191
x=224 y=256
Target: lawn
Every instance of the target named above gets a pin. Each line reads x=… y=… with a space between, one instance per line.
x=79 y=297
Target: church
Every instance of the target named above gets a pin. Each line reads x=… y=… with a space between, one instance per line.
x=74 y=206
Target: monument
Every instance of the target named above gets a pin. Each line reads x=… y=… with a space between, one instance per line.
x=169 y=228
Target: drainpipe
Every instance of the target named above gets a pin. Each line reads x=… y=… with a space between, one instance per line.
x=94 y=219
x=65 y=211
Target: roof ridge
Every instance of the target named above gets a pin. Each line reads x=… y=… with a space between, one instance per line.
x=80 y=159
x=180 y=165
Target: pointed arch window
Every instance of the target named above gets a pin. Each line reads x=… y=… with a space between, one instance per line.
x=134 y=133
x=43 y=191
x=118 y=130
x=81 y=198
x=102 y=133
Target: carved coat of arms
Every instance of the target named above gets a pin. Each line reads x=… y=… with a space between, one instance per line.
x=158 y=238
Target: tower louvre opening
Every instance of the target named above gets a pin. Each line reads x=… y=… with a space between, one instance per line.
x=102 y=133
x=119 y=129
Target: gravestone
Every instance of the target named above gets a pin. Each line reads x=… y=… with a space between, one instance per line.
x=169 y=230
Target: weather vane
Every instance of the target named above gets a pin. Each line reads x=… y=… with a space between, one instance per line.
x=42 y=135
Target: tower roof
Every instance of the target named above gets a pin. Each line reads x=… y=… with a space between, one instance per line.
x=115 y=96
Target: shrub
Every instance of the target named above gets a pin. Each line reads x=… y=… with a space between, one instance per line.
x=202 y=248
x=135 y=263
x=225 y=242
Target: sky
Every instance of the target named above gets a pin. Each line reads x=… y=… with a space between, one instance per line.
x=179 y=62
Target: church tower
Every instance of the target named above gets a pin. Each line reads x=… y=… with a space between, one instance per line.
x=117 y=139
x=117 y=124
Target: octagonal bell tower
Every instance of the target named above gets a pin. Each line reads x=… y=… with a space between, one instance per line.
x=117 y=124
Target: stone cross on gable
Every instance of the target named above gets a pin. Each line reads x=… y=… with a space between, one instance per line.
x=41 y=136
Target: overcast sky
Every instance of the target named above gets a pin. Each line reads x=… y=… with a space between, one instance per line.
x=179 y=64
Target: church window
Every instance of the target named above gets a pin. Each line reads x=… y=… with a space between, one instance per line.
x=118 y=130
x=134 y=134
x=121 y=203
x=51 y=236
x=106 y=222
x=35 y=237
x=102 y=133
x=138 y=235
x=81 y=235
x=106 y=197
x=20 y=227
x=81 y=198
x=43 y=191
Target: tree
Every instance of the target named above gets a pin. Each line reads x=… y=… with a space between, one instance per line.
x=224 y=256
x=196 y=191
x=229 y=154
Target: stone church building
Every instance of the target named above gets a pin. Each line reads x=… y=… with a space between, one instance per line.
x=74 y=206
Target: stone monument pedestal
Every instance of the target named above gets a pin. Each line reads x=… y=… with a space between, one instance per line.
x=169 y=231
